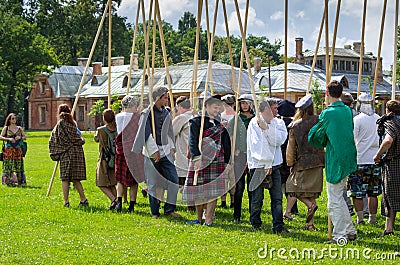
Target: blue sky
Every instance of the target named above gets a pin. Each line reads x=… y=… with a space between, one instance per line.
x=266 y=18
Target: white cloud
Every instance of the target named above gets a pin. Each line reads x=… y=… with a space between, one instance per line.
x=277 y=15
x=252 y=20
x=300 y=14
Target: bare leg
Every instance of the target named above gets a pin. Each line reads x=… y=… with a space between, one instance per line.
x=359 y=204
x=372 y=204
x=210 y=211
x=65 y=188
x=125 y=194
x=79 y=188
x=133 y=192
x=109 y=192
x=199 y=212
x=308 y=201
x=290 y=202
x=120 y=189
x=389 y=227
x=312 y=201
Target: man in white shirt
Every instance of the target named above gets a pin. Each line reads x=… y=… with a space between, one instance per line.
x=264 y=138
x=367 y=179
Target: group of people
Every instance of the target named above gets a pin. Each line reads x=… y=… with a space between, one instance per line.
x=285 y=150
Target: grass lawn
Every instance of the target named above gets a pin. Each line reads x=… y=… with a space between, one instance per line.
x=35 y=229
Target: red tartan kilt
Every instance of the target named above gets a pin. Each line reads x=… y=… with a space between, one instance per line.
x=211 y=182
x=122 y=173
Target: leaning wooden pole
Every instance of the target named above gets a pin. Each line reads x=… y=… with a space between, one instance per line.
x=286 y=50
x=151 y=83
x=164 y=52
x=128 y=86
x=256 y=107
x=81 y=86
x=378 y=59
x=316 y=52
x=193 y=92
x=334 y=39
x=228 y=39
x=109 y=53
x=209 y=69
x=394 y=70
x=360 y=68
x=146 y=63
x=327 y=42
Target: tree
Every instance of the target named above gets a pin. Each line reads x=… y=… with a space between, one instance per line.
x=187 y=21
x=25 y=55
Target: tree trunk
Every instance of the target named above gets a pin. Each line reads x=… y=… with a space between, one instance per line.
x=11 y=95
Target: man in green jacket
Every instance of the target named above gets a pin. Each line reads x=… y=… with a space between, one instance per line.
x=335 y=132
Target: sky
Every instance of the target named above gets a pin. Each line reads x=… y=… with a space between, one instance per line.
x=266 y=18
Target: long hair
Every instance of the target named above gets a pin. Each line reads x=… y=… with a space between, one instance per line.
x=8 y=119
x=302 y=113
x=64 y=112
x=109 y=118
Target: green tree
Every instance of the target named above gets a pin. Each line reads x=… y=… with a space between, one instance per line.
x=24 y=54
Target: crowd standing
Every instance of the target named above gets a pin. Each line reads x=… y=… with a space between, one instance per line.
x=284 y=150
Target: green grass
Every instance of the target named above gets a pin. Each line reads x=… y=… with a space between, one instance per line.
x=35 y=229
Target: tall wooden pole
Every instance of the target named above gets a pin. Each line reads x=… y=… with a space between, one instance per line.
x=378 y=59
x=196 y=55
x=360 y=68
x=109 y=53
x=394 y=69
x=334 y=38
x=327 y=42
x=316 y=51
x=286 y=49
x=81 y=85
x=128 y=86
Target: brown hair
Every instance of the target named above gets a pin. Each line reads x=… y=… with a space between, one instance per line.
x=335 y=89
x=301 y=113
x=109 y=118
x=183 y=101
x=7 y=123
x=393 y=106
x=64 y=112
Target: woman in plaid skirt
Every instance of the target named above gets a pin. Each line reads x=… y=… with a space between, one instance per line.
x=65 y=145
x=389 y=124
x=13 y=158
x=208 y=164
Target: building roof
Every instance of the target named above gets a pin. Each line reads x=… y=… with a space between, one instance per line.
x=339 y=52
x=181 y=79
x=298 y=76
x=65 y=80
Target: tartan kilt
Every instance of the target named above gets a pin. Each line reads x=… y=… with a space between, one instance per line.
x=72 y=164
x=122 y=173
x=390 y=186
x=211 y=181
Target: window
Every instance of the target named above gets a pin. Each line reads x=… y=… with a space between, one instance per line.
x=42 y=114
x=81 y=114
x=335 y=65
x=341 y=66
x=347 y=66
x=42 y=85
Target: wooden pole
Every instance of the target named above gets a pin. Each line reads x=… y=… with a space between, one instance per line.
x=327 y=42
x=360 y=68
x=81 y=85
x=244 y=45
x=165 y=57
x=153 y=58
x=316 y=52
x=394 y=70
x=286 y=50
x=228 y=39
x=128 y=86
x=196 y=55
x=378 y=59
x=209 y=69
x=109 y=53
x=209 y=42
x=334 y=39
x=146 y=63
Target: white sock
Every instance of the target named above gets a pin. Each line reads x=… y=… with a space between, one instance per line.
x=372 y=218
x=360 y=216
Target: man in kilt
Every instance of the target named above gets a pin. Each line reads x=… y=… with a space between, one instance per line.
x=129 y=166
x=207 y=165
x=158 y=149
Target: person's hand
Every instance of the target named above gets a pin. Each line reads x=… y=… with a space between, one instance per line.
x=267 y=171
x=156 y=156
x=197 y=165
x=12 y=140
x=17 y=138
x=262 y=124
x=377 y=158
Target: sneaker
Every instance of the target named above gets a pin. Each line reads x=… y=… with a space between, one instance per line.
x=205 y=224
x=352 y=237
x=66 y=204
x=193 y=222
x=282 y=231
x=131 y=208
x=386 y=233
x=113 y=204
x=362 y=222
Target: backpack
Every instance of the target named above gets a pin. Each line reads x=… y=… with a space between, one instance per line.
x=108 y=152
